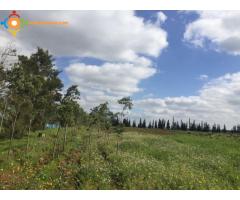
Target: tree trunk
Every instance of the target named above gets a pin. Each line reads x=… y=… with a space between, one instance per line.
x=74 y=132
x=55 y=142
x=29 y=129
x=4 y=111
x=12 y=134
x=89 y=148
x=117 y=145
x=65 y=137
x=98 y=129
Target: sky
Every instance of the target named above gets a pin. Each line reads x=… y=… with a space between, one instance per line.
x=172 y=63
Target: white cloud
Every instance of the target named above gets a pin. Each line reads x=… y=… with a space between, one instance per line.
x=121 y=79
x=161 y=18
x=106 y=35
x=218 y=101
x=122 y=40
x=109 y=81
x=203 y=77
x=218 y=30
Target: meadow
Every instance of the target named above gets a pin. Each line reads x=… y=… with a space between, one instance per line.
x=139 y=159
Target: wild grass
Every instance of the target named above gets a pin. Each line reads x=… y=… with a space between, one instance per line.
x=145 y=160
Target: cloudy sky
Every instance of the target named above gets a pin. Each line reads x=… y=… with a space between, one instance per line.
x=172 y=63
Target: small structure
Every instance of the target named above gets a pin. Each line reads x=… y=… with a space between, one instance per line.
x=52 y=125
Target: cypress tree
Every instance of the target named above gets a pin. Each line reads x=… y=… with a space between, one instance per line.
x=163 y=123
x=144 y=124
x=149 y=125
x=134 y=124
x=224 y=130
x=168 y=125
x=159 y=124
x=140 y=123
x=153 y=124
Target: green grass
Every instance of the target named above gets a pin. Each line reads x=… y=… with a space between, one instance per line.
x=147 y=159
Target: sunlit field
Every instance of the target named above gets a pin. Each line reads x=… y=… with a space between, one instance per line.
x=139 y=159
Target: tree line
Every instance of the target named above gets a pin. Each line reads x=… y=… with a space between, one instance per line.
x=32 y=95
x=191 y=125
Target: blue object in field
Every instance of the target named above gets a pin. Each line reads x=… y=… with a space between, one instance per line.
x=52 y=125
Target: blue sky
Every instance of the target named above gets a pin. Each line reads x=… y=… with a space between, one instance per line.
x=172 y=63
x=179 y=66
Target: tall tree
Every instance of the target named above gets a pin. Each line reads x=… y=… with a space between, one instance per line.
x=224 y=130
x=144 y=124
x=168 y=125
x=134 y=124
x=6 y=54
x=140 y=123
x=69 y=109
x=35 y=80
x=127 y=104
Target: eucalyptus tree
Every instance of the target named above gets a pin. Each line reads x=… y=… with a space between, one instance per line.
x=6 y=54
x=18 y=108
x=45 y=86
x=32 y=93
x=126 y=103
x=34 y=80
x=101 y=116
x=18 y=114
x=69 y=109
x=3 y=97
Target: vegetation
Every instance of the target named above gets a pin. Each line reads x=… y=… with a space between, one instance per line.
x=147 y=159
x=183 y=126
x=99 y=149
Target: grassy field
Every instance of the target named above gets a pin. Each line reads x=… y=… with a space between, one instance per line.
x=146 y=159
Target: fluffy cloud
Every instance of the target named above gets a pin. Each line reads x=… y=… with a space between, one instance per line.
x=161 y=18
x=120 y=39
x=108 y=81
x=106 y=35
x=117 y=79
x=218 y=101
x=218 y=30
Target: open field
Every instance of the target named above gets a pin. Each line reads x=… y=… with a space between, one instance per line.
x=146 y=159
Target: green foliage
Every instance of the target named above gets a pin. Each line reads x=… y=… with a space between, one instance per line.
x=69 y=110
x=81 y=153
x=33 y=91
x=101 y=117
x=127 y=105
x=126 y=102
x=147 y=159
